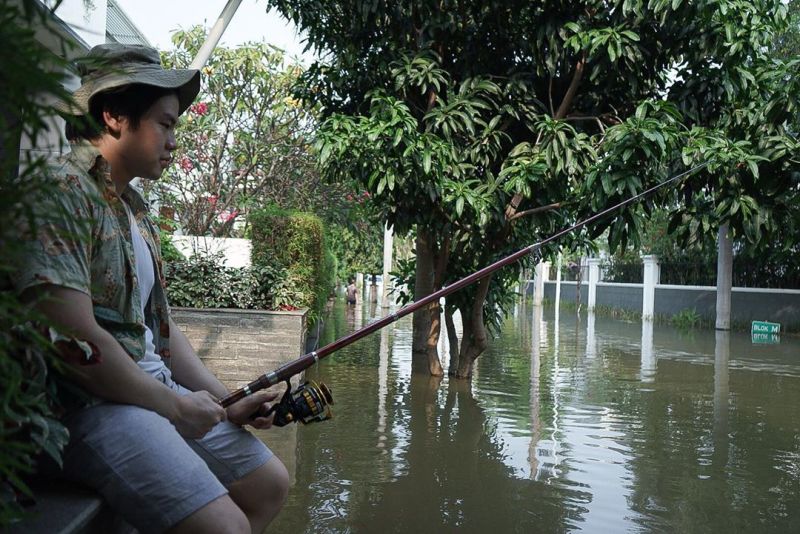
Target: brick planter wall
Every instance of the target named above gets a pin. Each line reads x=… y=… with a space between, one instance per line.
x=239 y=345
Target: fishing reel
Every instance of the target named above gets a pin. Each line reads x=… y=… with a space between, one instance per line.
x=309 y=403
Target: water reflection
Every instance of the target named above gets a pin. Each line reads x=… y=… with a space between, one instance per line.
x=649 y=364
x=536 y=424
x=590 y=425
x=591 y=340
x=722 y=352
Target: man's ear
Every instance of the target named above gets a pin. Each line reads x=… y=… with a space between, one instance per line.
x=113 y=123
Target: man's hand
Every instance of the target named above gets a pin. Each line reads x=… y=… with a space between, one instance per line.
x=196 y=414
x=247 y=410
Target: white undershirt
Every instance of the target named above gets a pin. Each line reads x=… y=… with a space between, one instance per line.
x=151 y=362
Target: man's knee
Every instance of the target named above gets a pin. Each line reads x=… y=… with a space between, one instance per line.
x=280 y=479
x=262 y=493
x=220 y=515
x=271 y=481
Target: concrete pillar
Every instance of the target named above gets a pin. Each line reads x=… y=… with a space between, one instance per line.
x=594 y=277
x=722 y=353
x=373 y=289
x=558 y=281
x=591 y=339
x=652 y=275
x=388 y=242
x=724 y=278
x=649 y=360
x=541 y=276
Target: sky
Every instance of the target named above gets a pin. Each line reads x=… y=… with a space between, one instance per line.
x=158 y=18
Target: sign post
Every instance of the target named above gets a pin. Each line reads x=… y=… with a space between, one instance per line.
x=765 y=332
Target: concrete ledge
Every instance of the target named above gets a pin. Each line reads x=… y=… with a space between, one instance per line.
x=65 y=508
x=238 y=346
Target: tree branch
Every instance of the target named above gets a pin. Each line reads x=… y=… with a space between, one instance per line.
x=533 y=211
x=566 y=103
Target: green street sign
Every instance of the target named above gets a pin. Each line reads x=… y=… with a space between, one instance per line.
x=763 y=327
x=764 y=332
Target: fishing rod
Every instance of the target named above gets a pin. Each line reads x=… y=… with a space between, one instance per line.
x=311 y=402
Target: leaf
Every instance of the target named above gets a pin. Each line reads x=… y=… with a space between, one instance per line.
x=398 y=136
x=753 y=168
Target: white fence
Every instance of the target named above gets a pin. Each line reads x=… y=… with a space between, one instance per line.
x=652 y=298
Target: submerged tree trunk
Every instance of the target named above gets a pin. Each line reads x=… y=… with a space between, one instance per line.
x=474 y=340
x=724 y=278
x=427 y=321
x=452 y=338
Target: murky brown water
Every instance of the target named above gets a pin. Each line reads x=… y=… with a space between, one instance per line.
x=594 y=425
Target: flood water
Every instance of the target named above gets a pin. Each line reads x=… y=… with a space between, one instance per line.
x=590 y=424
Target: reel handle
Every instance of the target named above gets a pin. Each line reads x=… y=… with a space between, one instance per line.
x=309 y=403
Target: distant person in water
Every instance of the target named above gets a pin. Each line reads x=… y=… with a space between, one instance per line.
x=351 y=292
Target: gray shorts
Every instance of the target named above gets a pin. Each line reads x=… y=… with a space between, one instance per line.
x=146 y=471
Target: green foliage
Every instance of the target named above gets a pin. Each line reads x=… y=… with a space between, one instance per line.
x=358 y=247
x=446 y=113
x=686 y=319
x=169 y=252
x=29 y=372
x=204 y=282
x=295 y=242
x=243 y=143
x=625 y=269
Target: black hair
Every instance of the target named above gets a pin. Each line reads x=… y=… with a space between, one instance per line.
x=130 y=101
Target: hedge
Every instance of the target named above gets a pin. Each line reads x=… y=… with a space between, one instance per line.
x=295 y=242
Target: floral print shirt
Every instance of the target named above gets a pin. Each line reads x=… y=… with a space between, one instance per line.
x=82 y=241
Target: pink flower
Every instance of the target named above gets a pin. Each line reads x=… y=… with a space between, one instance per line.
x=212 y=199
x=228 y=215
x=349 y=197
x=201 y=108
x=186 y=164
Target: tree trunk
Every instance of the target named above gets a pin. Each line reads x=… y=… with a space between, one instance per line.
x=427 y=322
x=724 y=278
x=452 y=337
x=474 y=340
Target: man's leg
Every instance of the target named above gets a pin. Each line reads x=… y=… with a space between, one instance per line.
x=147 y=472
x=262 y=493
x=256 y=479
x=220 y=515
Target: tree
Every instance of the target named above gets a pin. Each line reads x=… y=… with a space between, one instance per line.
x=479 y=126
x=30 y=348
x=244 y=143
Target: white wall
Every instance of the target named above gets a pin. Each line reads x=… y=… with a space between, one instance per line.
x=236 y=252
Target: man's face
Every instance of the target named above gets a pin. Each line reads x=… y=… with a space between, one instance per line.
x=146 y=151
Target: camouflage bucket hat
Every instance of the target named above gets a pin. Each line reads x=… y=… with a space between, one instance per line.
x=114 y=65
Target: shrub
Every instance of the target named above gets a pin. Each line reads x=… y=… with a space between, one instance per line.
x=294 y=241
x=169 y=252
x=685 y=319
x=204 y=282
x=30 y=383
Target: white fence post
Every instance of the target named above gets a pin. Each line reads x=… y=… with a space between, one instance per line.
x=594 y=277
x=558 y=281
x=541 y=276
x=652 y=273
